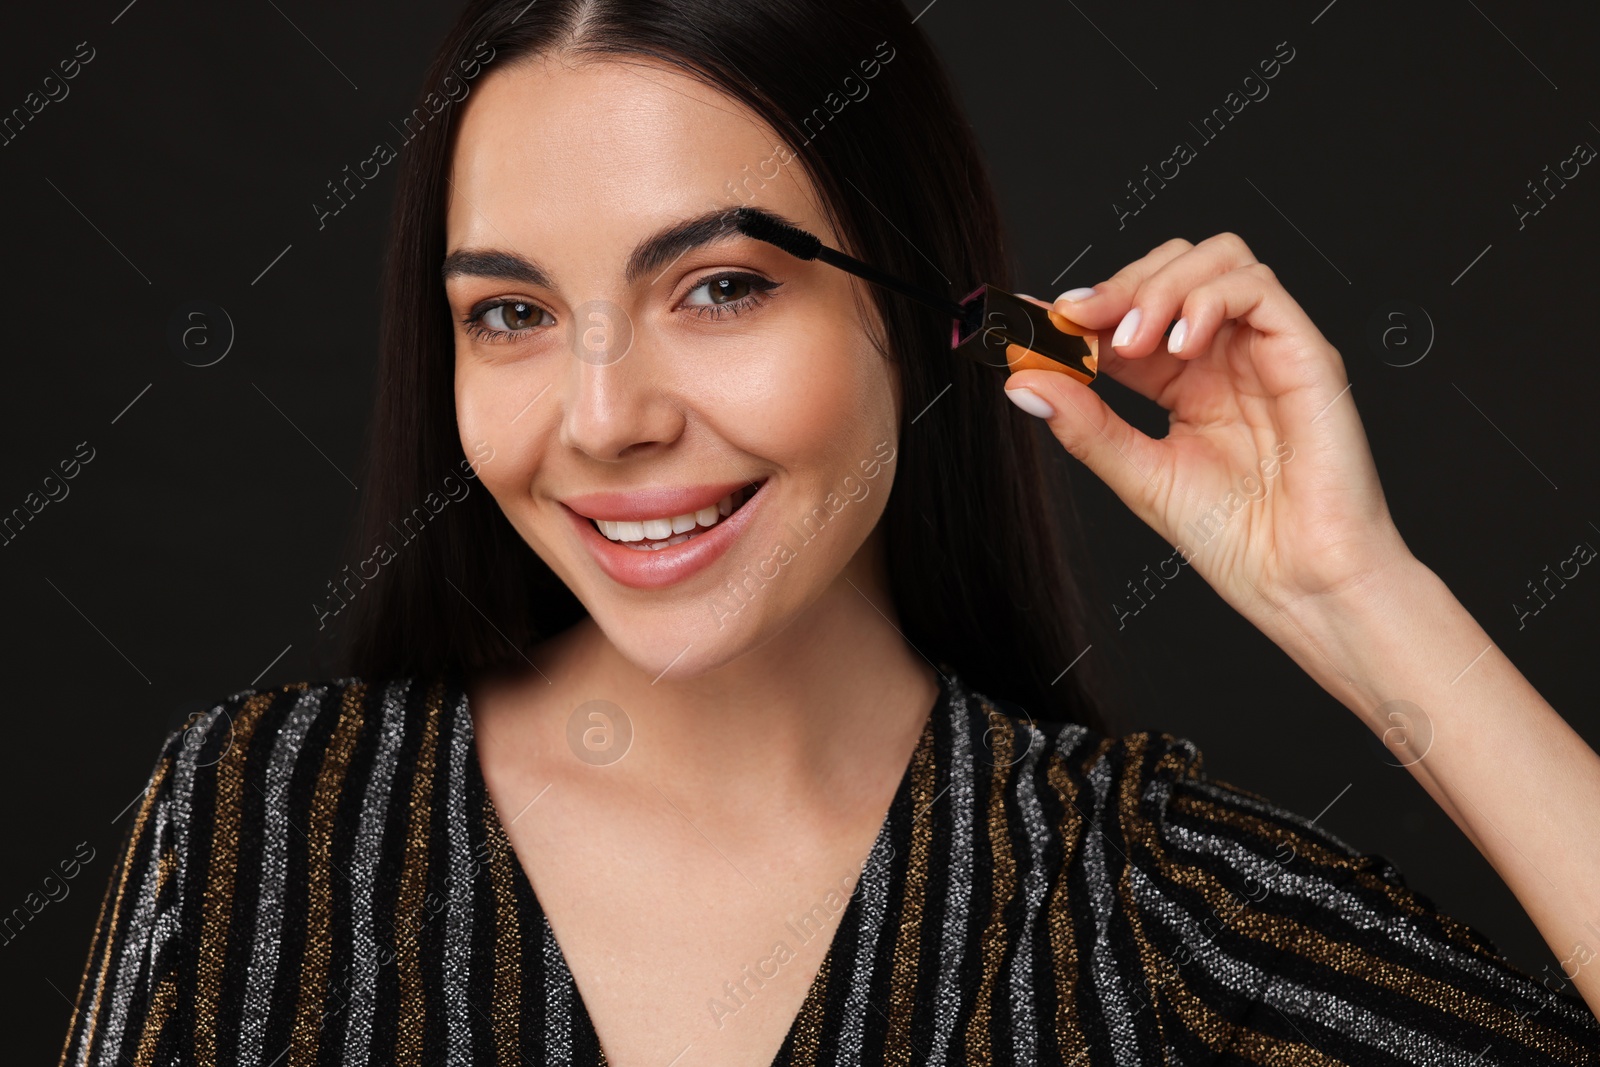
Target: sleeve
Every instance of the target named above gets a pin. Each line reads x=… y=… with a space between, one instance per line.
x=1301 y=949
x=126 y=1000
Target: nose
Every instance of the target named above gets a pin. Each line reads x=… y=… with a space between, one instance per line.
x=617 y=402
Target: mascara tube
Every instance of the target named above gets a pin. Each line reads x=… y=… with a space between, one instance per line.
x=1002 y=329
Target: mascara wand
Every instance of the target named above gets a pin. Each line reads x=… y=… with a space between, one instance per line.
x=989 y=318
x=803 y=245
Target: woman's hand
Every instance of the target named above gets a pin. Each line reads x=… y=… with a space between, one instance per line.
x=1264 y=480
x=1373 y=626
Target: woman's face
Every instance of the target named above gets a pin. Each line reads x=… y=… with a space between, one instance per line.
x=646 y=391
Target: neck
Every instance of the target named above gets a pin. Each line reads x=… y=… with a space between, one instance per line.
x=823 y=713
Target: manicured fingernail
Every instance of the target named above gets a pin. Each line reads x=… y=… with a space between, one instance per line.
x=1125 y=329
x=1179 y=333
x=1031 y=402
x=1077 y=294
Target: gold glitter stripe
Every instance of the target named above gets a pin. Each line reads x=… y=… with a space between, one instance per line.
x=903 y=986
x=1063 y=946
x=1201 y=1018
x=413 y=881
x=808 y=1027
x=980 y=1036
x=155 y=1022
x=319 y=867
x=217 y=902
x=1256 y=1047
x=505 y=1000
x=88 y=969
x=111 y=931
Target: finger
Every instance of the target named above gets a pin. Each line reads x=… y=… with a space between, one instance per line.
x=1113 y=297
x=1128 y=461
x=1160 y=296
x=1252 y=295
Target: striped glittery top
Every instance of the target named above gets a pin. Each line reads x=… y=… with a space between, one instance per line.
x=317 y=875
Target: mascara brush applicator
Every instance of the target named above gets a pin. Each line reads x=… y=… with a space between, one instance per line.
x=991 y=326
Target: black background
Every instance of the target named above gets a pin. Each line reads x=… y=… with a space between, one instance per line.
x=1383 y=166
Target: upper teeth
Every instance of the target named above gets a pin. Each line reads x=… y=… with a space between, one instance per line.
x=661 y=529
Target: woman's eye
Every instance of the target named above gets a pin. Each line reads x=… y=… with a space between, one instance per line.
x=729 y=294
x=501 y=320
x=723 y=290
x=516 y=315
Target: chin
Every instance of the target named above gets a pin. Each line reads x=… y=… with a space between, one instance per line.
x=681 y=644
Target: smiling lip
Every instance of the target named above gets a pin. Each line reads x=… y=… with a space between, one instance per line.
x=659 y=503
x=659 y=568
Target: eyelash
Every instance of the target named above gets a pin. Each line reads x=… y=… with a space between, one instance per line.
x=760 y=290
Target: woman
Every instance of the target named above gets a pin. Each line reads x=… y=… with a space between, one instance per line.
x=716 y=659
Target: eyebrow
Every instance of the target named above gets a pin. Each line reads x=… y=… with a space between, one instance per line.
x=664 y=246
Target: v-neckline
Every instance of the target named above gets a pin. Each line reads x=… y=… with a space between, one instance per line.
x=923 y=750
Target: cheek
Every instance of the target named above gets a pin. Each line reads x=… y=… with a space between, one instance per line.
x=486 y=405
x=814 y=397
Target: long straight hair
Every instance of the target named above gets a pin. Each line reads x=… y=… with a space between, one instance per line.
x=974 y=534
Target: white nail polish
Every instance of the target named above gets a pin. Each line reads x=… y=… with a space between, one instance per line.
x=1180 y=333
x=1077 y=294
x=1031 y=402
x=1125 y=329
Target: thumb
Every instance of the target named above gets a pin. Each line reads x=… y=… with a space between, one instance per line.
x=1128 y=461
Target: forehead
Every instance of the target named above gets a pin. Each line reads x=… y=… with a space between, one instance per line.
x=550 y=154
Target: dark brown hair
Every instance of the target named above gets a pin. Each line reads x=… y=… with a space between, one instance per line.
x=973 y=531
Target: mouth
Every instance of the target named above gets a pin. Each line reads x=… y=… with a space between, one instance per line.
x=656 y=534
x=655 y=538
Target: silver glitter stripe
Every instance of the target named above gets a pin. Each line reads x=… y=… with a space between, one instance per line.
x=365 y=857
x=962 y=791
x=558 y=1002
x=873 y=895
x=101 y=967
x=275 y=831
x=1401 y=929
x=177 y=817
x=1293 y=999
x=1369 y=1027
x=183 y=773
x=1024 y=1035
x=458 y=919
x=1069 y=741
x=133 y=962
x=1103 y=963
